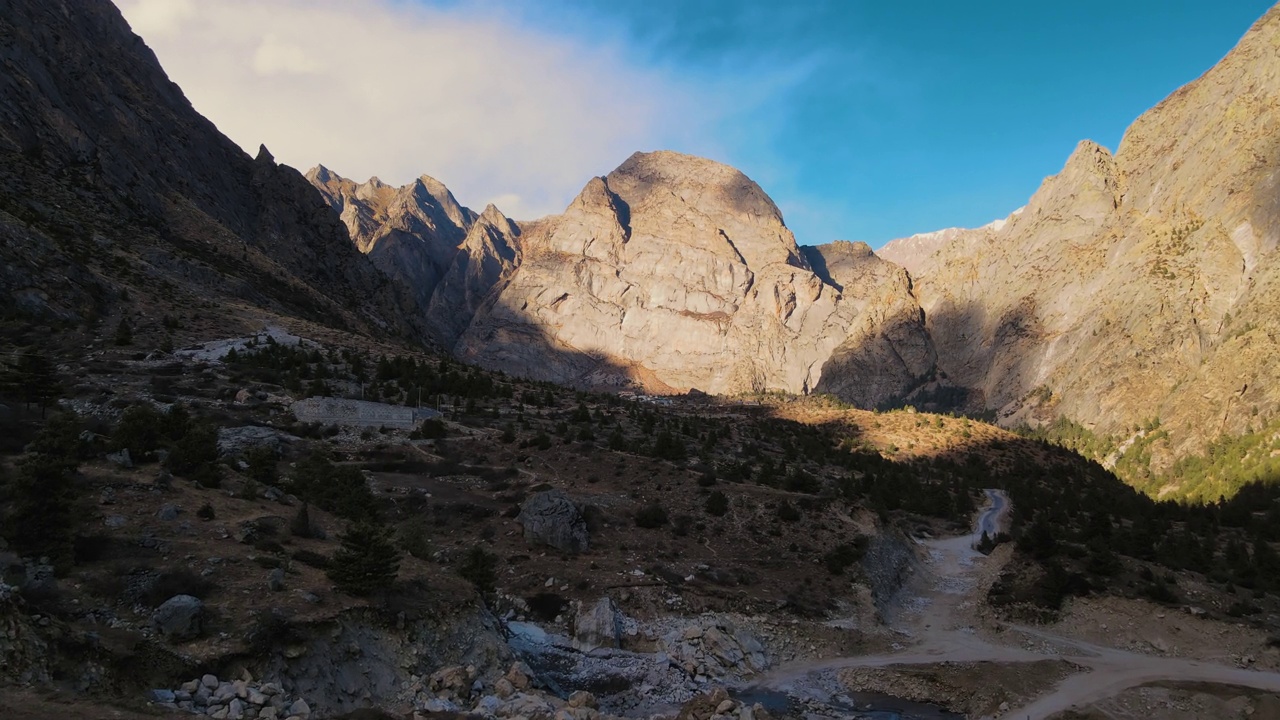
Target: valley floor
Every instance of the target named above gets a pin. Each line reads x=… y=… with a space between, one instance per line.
x=1012 y=671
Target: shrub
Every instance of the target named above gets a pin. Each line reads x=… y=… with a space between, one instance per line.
x=176 y=581
x=367 y=561
x=839 y=558
x=197 y=449
x=262 y=465
x=41 y=520
x=301 y=525
x=717 y=504
x=140 y=430
x=339 y=489
x=651 y=516
x=479 y=567
x=787 y=512
x=206 y=512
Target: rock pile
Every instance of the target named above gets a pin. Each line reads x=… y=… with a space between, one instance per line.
x=717 y=705
x=717 y=649
x=514 y=695
x=233 y=700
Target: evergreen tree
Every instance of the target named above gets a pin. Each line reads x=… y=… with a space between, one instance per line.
x=479 y=567
x=124 y=333
x=41 y=521
x=717 y=504
x=32 y=380
x=368 y=560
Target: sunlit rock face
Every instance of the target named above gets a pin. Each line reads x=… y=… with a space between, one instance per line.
x=678 y=272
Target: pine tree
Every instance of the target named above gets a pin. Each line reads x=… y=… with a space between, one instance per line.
x=124 y=333
x=41 y=522
x=479 y=566
x=368 y=560
x=32 y=380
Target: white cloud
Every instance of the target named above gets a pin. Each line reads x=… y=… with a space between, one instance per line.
x=159 y=18
x=480 y=101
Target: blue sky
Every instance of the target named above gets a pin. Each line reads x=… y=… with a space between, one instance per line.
x=912 y=116
x=863 y=120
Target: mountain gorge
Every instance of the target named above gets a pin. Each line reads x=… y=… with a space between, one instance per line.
x=1134 y=290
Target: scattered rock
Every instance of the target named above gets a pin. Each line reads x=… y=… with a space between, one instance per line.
x=169 y=512
x=238 y=440
x=275 y=581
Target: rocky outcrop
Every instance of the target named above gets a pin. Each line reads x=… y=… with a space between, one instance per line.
x=411 y=233
x=886 y=352
x=551 y=518
x=489 y=254
x=675 y=272
x=599 y=626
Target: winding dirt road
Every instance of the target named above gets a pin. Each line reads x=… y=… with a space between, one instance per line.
x=947 y=586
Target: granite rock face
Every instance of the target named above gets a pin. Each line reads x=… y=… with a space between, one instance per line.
x=1133 y=286
x=411 y=233
x=674 y=272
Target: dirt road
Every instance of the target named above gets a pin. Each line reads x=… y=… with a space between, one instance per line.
x=941 y=629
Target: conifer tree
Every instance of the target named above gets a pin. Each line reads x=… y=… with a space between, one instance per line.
x=41 y=521
x=368 y=560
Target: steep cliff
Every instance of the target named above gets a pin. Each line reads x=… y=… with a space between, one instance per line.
x=676 y=272
x=1137 y=286
x=111 y=181
x=411 y=233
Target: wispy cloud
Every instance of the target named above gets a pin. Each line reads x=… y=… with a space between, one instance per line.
x=498 y=110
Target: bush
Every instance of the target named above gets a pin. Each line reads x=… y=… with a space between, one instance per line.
x=176 y=581
x=301 y=525
x=339 y=489
x=367 y=561
x=839 y=558
x=788 y=512
x=206 y=512
x=41 y=520
x=717 y=504
x=651 y=516
x=479 y=567
x=197 y=449
x=262 y=465
x=140 y=430
x=411 y=535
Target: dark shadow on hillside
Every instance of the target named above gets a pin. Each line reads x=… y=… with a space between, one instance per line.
x=980 y=365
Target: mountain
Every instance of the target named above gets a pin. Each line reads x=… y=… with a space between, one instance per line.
x=411 y=233
x=1135 y=289
x=116 y=194
x=675 y=272
x=914 y=252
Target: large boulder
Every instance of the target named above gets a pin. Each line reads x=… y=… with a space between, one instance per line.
x=551 y=518
x=239 y=440
x=599 y=626
x=181 y=617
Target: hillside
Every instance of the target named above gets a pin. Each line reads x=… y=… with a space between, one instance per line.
x=118 y=200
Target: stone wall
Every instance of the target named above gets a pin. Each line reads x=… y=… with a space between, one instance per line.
x=355 y=413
